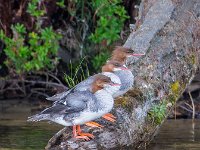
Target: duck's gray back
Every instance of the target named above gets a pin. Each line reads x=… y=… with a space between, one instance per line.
x=82 y=86
x=85 y=85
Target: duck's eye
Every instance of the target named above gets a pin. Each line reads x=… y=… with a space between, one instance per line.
x=105 y=81
x=117 y=65
x=130 y=51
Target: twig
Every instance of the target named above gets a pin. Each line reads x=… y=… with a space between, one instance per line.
x=53 y=140
x=3 y=27
x=39 y=82
x=175 y=111
x=188 y=105
x=9 y=88
x=38 y=92
x=21 y=88
x=51 y=75
x=94 y=16
x=193 y=107
x=186 y=109
x=39 y=89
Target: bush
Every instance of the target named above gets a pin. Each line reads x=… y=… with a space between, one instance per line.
x=36 y=49
x=31 y=51
x=111 y=16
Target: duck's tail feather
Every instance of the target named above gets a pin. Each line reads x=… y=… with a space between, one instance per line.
x=54 y=97
x=38 y=117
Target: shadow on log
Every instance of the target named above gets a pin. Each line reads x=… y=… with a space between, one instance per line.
x=169 y=35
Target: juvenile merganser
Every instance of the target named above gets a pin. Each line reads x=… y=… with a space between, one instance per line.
x=80 y=107
x=120 y=54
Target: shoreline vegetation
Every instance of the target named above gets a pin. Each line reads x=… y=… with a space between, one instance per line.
x=44 y=43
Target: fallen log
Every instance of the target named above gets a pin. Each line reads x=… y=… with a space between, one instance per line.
x=168 y=34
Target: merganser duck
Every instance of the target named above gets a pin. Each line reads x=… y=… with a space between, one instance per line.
x=80 y=107
x=120 y=54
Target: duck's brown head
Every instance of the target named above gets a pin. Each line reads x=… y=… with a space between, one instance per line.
x=121 y=53
x=100 y=82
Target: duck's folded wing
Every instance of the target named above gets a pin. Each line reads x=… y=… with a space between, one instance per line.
x=70 y=107
x=82 y=86
x=59 y=96
x=59 y=109
x=74 y=102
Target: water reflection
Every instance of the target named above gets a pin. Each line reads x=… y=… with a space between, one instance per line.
x=20 y=135
x=177 y=135
x=16 y=133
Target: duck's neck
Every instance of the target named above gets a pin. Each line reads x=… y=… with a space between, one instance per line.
x=104 y=97
x=106 y=69
x=95 y=88
x=119 y=59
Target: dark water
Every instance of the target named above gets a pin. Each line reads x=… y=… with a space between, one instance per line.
x=17 y=134
x=177 y=135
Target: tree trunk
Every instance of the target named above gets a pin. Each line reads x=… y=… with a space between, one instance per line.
x=169 y=36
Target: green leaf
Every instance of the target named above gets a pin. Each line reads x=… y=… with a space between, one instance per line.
x=61 y=3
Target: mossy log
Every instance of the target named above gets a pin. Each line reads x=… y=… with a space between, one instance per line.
x=168 y=34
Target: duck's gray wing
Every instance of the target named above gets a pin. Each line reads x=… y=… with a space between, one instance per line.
x=70 y=107
x=85 y=84
x=59 y=96
x=82 y=86
x=74 y=102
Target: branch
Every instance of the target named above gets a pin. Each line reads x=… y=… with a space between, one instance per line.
x=38 y=82
x=54 y=77
x=38 y=92
x=193 y=107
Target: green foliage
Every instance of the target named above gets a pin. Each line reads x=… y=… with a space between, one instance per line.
x=38 y=54
x=100 y=59
x=104 y=16
x=157 y=113
x=31 y=51
x=111 y=20
x=61 y=3
x=33 y=9
x=37 y=50
x=77 y=73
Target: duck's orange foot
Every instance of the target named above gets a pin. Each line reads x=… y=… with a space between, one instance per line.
x=82 y=137
x=86 y=134
x=109 y=117
x=94 y=124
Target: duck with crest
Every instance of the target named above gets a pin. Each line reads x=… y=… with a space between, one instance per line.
x=120 y=55
x=79 y=107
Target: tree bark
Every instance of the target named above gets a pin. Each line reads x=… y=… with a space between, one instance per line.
x=168 y=34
